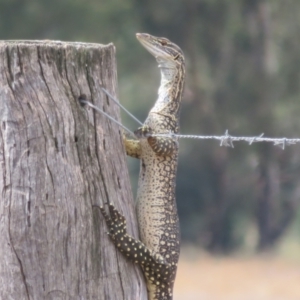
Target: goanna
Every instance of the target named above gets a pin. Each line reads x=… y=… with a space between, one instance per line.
x=157 y=252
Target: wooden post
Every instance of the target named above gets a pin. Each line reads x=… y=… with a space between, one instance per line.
x=57 y=160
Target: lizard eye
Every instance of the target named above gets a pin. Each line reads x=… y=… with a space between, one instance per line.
x=163 y=42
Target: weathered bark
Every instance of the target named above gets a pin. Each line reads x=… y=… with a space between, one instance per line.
x=58 y=160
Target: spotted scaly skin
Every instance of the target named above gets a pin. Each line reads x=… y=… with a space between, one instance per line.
x=157 y=252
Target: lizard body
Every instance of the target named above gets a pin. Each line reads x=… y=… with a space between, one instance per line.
x=157 y=252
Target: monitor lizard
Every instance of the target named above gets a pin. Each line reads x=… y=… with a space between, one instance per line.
x=157 y=251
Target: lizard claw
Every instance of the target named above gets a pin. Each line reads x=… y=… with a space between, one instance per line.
x=115 y=222
x=107 y=218
x=115 y=215
x=143 y=132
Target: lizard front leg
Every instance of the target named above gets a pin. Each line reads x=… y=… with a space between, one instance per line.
x=133 y=147
x=162 y=146
x=157 y=271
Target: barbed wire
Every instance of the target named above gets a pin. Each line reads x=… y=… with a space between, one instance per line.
x=226 y=140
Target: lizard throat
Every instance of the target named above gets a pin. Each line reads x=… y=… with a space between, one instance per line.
x=167 y=90
x=163 y=100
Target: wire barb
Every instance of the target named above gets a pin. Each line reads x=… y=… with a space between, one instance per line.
x=226 y=140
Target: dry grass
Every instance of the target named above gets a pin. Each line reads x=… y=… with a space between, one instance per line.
x=203 y=277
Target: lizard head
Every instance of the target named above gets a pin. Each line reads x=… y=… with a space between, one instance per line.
x=167 y=54
x=171 y=63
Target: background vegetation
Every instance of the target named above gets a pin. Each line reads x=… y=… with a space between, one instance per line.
x=242 y=75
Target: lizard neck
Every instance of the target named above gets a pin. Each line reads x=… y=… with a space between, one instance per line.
x=170 y=90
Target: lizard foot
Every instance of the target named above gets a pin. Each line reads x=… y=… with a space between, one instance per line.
x=115 y=222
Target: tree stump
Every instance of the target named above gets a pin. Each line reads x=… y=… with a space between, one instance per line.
x=58 y=161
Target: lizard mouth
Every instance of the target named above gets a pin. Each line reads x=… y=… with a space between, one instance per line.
x=158 y=49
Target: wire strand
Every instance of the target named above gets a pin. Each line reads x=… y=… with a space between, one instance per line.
x=120 y=105
x=227 y=140
x=107 y=115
